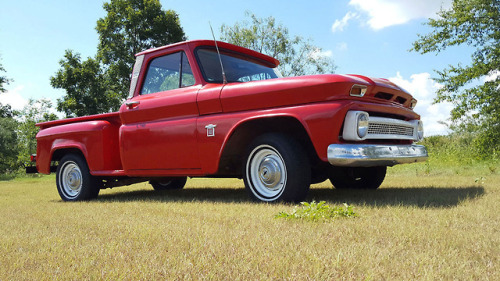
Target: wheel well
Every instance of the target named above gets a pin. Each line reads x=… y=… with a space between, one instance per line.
x=59 y=154
x=235 y=149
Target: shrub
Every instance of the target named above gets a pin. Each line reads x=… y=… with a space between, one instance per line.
x=318 y=212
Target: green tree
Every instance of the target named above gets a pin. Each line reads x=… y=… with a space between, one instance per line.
x=86 y=86
x=3 y=80
x=297 y=56
x=35 y=112
x=8 y=136
x=99 y=84
x=6 y=111
x=8 y=139
x=129 y=27
x=474 y=88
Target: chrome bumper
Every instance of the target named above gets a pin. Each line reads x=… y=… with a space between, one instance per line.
x=367 y=155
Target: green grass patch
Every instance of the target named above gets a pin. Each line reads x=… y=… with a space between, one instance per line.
x=318 y=211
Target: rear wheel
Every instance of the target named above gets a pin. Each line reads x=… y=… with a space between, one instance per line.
x=168 y=183
x=276 y=169
x=357 y=177
x=74 y=181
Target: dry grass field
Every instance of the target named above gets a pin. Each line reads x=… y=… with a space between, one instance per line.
x=426 y=224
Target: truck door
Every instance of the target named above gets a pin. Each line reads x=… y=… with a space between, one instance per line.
x=158 y=132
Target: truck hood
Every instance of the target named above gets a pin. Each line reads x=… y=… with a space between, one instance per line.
x=308 y=89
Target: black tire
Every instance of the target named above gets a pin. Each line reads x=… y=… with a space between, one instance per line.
x=168 y=183
x=357 y=177
x=276 y=168
x=74 y=181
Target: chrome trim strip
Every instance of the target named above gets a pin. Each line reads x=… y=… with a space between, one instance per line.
x=368 y=155
x=135 y=75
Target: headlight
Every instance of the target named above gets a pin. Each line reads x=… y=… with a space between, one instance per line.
x=363 y=122
x=420 y=130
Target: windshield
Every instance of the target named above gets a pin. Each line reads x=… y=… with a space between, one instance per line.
x=238 y=68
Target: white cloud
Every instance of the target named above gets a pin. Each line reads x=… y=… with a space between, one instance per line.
x=318 y=53
x=423 y=88
x=14 y=98
x=492 y=76
x=339 y=25
x=384 y=13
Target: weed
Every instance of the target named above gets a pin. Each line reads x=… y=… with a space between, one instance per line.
x=318 y=212
x=480 y=180
x=492 y=169
x=427 y=168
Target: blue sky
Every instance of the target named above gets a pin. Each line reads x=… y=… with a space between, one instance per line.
x=369 y=37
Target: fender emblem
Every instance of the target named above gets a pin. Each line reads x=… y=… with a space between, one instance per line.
x=210 y=130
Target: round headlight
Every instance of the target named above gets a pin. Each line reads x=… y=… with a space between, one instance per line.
x=363 y=122
x=420 y=132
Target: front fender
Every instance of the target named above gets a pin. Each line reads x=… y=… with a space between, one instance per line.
x=317 y=120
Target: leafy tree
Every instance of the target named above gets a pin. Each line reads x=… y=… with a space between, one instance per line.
x=3 y=80
x=99 y=84
x=129 y=27
x=473 y=89
x=6 y=111
x=86 y=86
x=35 y=112
x=297 y=56
x=8 y=139
x=8 y=136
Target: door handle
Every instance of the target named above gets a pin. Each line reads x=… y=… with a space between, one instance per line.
x=132 y=104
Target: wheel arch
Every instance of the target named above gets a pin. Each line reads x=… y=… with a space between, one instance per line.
x=46 y=158
x=59 y=153
x=242 y=135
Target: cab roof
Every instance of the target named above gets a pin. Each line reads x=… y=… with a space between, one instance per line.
x=222 y=45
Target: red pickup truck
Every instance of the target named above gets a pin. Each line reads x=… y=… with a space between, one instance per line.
x=201 y=109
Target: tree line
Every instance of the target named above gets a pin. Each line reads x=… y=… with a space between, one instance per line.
x=100 y=84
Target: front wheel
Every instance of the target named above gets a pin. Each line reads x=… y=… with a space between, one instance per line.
x=277 y=169
x=357 y=177
x=74 y=181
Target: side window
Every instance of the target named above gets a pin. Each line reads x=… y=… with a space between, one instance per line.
x=166 y=73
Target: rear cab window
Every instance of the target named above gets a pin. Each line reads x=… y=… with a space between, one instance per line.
x=237 y=67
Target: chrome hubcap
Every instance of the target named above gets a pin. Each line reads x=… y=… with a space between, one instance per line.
x=266 y=173
x=71 y=179
x=269 y=172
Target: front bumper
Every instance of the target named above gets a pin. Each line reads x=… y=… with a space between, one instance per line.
x=369 y=155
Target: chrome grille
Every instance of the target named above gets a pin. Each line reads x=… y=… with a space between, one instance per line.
x=389 y=129
x=379 y=128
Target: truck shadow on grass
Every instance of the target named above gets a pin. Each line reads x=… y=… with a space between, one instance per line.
x=223 y=195
x=434 y=197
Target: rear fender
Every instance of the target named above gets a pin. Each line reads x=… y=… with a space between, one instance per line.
x=96 y=140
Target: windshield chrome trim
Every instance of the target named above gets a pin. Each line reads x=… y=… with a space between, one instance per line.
x=135 y=75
